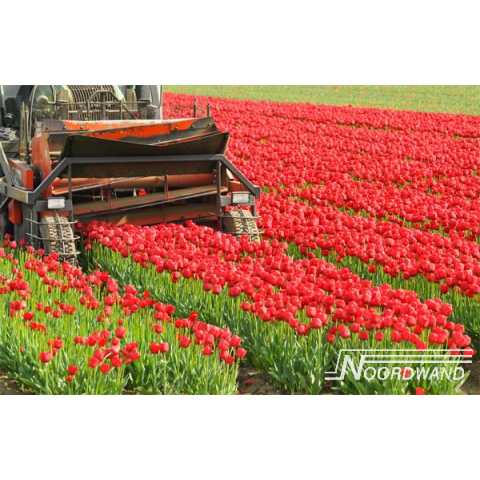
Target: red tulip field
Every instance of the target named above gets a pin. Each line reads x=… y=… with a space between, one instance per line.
x=370 y=224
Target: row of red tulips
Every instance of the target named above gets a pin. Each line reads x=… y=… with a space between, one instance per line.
x=438 y=176
x=408 y=207
x=64 y=331
x=288 y=312
x=436 y=265
x=286 y=149
x=397 y=120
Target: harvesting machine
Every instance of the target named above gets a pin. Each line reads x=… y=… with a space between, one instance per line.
x=77 y=153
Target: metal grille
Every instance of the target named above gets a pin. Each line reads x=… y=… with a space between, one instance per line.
x=81 y=93
x=108 y=109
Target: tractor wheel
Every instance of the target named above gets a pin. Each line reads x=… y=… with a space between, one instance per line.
x=58 y=237
x=241 y=222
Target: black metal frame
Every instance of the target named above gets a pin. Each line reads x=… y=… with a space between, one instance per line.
x=32 y=196
x=31 y=199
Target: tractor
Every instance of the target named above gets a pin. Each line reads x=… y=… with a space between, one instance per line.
x=77 y=153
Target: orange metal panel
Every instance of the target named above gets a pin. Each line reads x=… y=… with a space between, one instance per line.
x=22 y=173
x=125 y=129
x=77 y=125
x=15 y=212
x=143 y=131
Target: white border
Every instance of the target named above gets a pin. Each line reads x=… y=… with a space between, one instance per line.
x=248 y=42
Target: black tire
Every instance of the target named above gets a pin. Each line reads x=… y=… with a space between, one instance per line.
x=241 y=222
x=59 y=237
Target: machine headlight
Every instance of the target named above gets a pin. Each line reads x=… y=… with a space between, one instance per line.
x=240 y=198
x=56 y=203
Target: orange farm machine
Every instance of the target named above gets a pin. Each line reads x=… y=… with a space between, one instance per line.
x=77 y=153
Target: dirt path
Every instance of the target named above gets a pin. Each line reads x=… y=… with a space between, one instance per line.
x=472 y=385
x=9 y=386
x=253 y=382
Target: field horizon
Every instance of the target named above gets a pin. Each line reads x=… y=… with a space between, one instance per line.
x=457 y=99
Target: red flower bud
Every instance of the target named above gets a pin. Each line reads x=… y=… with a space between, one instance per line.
x=116 y=362
x=363 y=335
x=93 y=362
x=184 y=341
x=379 y=336
x=120 y=332
x=240 y=353
x=105 y=368
x=45 y=357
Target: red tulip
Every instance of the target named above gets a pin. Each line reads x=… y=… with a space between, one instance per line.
x=93 y=362
x=164 y=347
x=379 y=336
x=245 y=306
x=234 y=292
x=355 y=327
x=363 y=335
x=45 y=357
x=184 y=341
x=235 y=341
x=240 y=353
x=120 y=332
x=99 y=354
x=116 y=362
x=105 y=368
x=421 y=345
x=223 y=345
